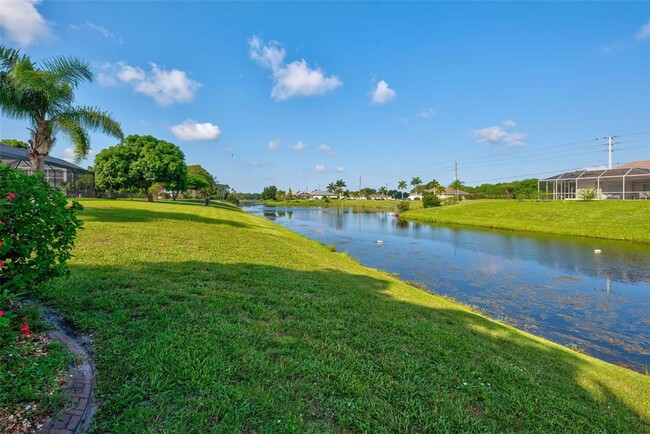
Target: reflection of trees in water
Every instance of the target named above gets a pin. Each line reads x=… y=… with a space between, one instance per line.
x=401 y=224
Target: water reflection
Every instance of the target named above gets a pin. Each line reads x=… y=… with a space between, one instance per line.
x=556 y=287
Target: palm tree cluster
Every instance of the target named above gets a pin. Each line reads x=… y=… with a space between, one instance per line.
x=44 y=94
x=337 y=187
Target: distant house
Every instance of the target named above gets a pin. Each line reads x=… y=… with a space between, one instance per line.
x=302 y=195
x=379 y=197
x=75 y=181
x=448 y=192
x=321 y=194
x=628 y=181
x=451 y=192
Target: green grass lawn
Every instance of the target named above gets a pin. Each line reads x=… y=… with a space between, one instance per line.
x=370 y=205
x=616 y=220
x=207 y=319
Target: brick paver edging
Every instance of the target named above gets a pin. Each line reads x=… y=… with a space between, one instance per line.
x=79 y=407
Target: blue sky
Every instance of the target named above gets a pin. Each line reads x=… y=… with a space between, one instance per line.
x=301 y=94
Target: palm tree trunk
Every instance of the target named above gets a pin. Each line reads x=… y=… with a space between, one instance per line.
x=36 y=162
x=40 y=144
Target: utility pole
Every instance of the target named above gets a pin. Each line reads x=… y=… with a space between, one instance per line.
x=610 y=146
x=359 y=183
x=456 y=178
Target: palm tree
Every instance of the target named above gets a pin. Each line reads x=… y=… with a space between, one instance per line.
x=339 y=185
x=401 y=186
x=331 y=187
x=383 y=191
x=415 y=182
x=44 y=95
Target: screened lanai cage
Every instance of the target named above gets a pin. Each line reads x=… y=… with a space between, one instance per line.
x=75 y=181
x=627 y=182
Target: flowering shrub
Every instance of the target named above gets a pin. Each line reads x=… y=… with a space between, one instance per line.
x=37 y=231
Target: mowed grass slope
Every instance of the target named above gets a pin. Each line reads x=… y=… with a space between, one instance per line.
x=207 y=319
x=616 y=220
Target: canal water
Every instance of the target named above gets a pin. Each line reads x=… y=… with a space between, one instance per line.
x=552 y=286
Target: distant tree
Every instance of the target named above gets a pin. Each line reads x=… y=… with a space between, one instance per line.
x=401 y=186
x=365 y=192
x=281 y=195
x=139 y=162
x=331 y=187
x=269 y=192
x=43 y=94
x=509 y=190
x=210 y=188
x=383 y=190
x=415 y=182
x=197 y=183
x=289 y=195
x=15 y=143
x=339 y=186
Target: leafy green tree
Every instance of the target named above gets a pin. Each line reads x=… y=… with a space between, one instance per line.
x=415 y=182
x=210 y=189
x=197 y=183
x=331 y=187
x=139 y=162
x=15 y=143
x=269 y=192
x=44 y=95
x=401 y=186
x=383 y=190
x=430 y=200
x=434 y=186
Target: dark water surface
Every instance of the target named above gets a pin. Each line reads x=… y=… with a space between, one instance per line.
x=552 y=286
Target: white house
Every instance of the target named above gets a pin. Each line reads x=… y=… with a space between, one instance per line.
x=320 y=194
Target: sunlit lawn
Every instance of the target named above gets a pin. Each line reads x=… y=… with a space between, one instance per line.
x=618 y=220
x=207 y=319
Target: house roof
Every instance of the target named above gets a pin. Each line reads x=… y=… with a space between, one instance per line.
x=451 y=191
x=641 y=164
x=618 y=172
x=322 y=193
x=9 y=152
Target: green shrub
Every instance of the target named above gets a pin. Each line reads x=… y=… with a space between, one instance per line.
x=430 y=200
x=587 y=194
x=402 y=206
x=37 y=230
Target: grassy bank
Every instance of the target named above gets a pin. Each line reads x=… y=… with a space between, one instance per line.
x=207 y=319
x=616 y=220
x=370 y=205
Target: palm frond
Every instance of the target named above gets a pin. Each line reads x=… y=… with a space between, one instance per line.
x=78 y=137
x=94 y=119
x=9 y=57
x=70 y=70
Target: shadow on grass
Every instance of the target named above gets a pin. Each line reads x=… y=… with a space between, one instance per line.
x=155 y=214
x=200 y=346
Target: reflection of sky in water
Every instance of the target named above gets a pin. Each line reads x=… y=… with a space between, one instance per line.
x=556 y=287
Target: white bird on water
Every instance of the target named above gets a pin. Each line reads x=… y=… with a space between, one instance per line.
x=597 y=251
x=380 y=242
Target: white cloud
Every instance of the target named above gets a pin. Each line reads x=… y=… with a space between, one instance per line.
x=191 y=130
x=319 y=168
x=274 y=144
x=339 y=169
x=509 y=123
x=107 y=34
x=299 y=146
x=427 y=113
x=23 y=23
x=644 y=32
x=382 y=93
x=402 y=120
x=69 y=155
x=496 y=134
x=613 y=47
x=293 y=79
x=326 y=149
x=164 y=86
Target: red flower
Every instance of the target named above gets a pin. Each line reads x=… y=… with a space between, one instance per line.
x=2 y=264
x=25 y=328
x=2 y=312
x=11 y=196
x=1 y=222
